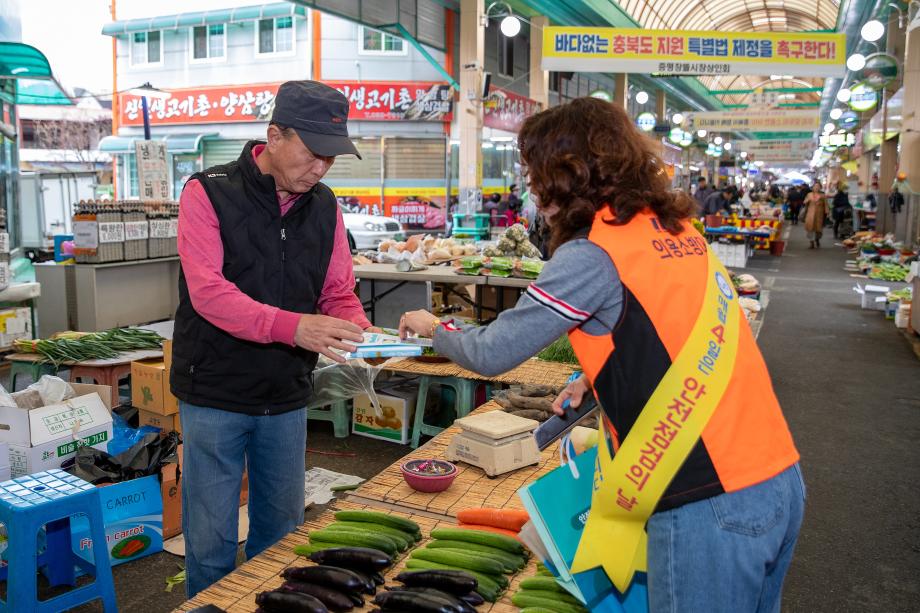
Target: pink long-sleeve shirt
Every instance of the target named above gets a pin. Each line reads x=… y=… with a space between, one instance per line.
x=223 y=304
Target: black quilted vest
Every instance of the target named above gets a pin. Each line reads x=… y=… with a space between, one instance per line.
x=275 y=260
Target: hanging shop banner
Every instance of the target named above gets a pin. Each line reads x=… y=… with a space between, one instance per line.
x=646 y=122
x=152 y=169
x=396 y=101
x=778 y=120
x=505 y=110
x=686 y=52
x=368 y=100
x=778 y=150
x=880 y=70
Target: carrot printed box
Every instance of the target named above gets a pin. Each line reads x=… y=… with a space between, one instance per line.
x=132 y=512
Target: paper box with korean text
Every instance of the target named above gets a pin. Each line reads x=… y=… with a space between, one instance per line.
x=397 y=408
x=43 y=438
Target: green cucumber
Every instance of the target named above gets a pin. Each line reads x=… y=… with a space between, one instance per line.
x=385 y=519
x=562 y=596
x=460 y=560
x=400 y=544
x=542 y=583
x=354 y=539
x=523 y=600
x=486 y=587
x=499 y=541
x=508 y=567
x=499 y=554
x=401 y=539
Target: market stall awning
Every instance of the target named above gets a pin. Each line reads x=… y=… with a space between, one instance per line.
x=20 y=61
x=203 y=18
x=41 y=92
x=175 y=143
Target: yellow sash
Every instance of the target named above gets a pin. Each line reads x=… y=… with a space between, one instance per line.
x=627 y=487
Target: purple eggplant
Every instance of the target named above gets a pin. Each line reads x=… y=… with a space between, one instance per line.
x=353 y=558
x=340 y=579
x=333 y=599
x=290 y=602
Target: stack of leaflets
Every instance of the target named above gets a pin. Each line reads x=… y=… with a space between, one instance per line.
x=377 y=345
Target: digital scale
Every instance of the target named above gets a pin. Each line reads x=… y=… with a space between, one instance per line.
x=497 y=442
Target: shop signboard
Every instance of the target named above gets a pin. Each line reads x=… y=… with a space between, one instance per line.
x=848 y=120
x=863 y=98
x=880 y=70
x=368 y=101
x=779 y=149
x=833 y=141
x=686 y=52
x=602 y=94
x=646 y=122
x=505 y=110
x=751 y=120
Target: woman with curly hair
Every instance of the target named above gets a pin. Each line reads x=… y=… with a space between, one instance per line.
x=631 y=282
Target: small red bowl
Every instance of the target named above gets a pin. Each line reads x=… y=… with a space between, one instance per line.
x=428 y=483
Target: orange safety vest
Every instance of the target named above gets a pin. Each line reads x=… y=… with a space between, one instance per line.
x=664 y=279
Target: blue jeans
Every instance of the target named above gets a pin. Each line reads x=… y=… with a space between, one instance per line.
x=729 y=553
x=216 y=443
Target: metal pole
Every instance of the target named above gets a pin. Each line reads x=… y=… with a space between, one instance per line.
x=146 y=118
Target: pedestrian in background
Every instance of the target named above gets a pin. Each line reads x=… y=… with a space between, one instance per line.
x=815 y=214
x=840 y=206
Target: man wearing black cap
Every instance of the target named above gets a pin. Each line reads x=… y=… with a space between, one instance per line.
x=266 y=284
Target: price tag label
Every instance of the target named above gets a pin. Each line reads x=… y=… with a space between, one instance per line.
x=159 y=228
x=136 y=230
x=112 y=232
x=173 y=227
x=85 y=234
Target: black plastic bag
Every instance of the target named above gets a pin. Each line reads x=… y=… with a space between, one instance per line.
x=145 y=458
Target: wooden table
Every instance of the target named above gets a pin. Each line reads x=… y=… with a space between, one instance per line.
x=471 y=488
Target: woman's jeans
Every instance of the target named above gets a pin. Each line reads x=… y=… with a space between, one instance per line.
x=729 y=553
x=216 y=444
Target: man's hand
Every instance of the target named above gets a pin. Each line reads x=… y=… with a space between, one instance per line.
x=574 y=392
x=322 y=334
x=375 y=330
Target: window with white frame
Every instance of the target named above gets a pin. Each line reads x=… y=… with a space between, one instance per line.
x=375 y=42
x=146 y=48
x=209 y=43
x=275 y=36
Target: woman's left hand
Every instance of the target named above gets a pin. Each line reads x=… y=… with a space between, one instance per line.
x=419 y=322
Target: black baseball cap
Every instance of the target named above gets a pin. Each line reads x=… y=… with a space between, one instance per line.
x=319 y=115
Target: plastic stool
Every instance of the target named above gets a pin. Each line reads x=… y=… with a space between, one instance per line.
x=52 y=497
x=465 y=390
x=35 y=370
x=337 y=413
x=102 y=375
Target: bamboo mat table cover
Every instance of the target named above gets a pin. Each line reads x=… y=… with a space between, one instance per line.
x=471 y=488
x=236 y=593
x=533 y=371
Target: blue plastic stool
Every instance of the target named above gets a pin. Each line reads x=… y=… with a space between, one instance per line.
x=28 y=503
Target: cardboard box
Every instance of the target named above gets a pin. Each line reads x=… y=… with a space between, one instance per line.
x=15 y=324
x=150 y=388
x=171 y=494
x=132 y=512
x=167 y=355
x=43 y=438
x=872 y=297
x=398 y=407
x=150 y=418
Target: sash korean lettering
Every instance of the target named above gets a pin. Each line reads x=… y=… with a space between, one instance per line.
x=628 y=486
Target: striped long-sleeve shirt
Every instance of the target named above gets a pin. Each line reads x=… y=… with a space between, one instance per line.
x=579 y=286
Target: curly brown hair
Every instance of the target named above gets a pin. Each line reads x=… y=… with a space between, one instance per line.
x=586 y=155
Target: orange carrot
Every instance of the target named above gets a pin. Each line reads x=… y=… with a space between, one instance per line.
x=510 y=533
x=508 y=519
